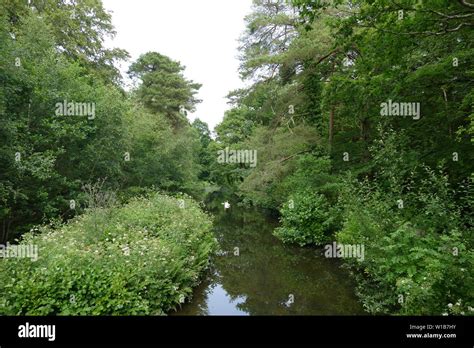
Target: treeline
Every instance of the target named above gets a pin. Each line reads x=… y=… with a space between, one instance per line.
x=82 y=160
x=66 y=120
x=362 y=116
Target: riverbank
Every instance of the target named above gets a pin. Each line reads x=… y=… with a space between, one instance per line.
x=142 y=258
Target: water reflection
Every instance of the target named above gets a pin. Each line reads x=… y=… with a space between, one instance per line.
x=267 y=277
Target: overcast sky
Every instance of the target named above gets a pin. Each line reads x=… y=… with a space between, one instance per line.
x=201 y=34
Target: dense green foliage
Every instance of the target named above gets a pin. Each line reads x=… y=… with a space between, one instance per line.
x=308 y=218
x=337 y=167
x=138 y=259
x=360 y=113
x=53 y=162
x=46 y=157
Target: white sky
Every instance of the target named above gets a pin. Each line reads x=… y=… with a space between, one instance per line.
x=201 y=34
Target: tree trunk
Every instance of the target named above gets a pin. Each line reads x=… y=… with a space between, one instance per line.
x=331 y=127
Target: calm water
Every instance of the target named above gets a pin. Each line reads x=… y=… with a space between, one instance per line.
x=268 y=277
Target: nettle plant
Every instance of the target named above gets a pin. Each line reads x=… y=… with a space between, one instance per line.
x=100 y=204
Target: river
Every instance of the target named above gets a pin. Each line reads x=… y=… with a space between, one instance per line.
x=256 y=274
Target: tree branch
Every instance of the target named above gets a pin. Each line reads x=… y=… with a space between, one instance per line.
x=294 y=155
x=465 y=3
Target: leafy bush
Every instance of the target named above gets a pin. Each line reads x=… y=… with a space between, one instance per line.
x=417 y=258
x=139 y=259
x=307 y=219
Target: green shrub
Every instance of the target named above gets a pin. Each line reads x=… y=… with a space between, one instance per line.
x=307 y=219
x=417 y=258
x=140 y=259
